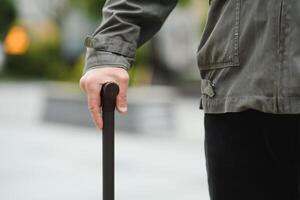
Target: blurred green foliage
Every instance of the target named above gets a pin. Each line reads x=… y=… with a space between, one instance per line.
x=142 y=73
x=43 y=61
x=44 y=58
x=184 y=2
x=8 y=15
x=92 y=8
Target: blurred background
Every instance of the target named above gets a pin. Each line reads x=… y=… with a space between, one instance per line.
x=49 y=147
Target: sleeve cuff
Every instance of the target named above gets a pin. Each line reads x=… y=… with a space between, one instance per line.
x=106 y=51
x=114 y=45
x=98 y=59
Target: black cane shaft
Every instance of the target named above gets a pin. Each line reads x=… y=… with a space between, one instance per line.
x=108 y=94
x=108 y=156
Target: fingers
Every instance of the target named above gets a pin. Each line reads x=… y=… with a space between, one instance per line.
x=93 y=91
x=122 y=96
x=91 y=84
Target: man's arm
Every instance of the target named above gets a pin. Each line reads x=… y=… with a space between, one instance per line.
x=126 y=25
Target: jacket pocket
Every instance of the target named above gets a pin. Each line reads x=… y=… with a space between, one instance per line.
x=219 y=45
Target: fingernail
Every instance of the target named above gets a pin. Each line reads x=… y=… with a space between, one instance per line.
x=123 y=109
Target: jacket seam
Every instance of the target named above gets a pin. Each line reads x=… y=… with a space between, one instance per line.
x=218 y=65
x=236 y=97
x=234 y=59
x=237 y=30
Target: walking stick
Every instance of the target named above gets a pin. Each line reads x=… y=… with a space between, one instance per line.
x=108 y=96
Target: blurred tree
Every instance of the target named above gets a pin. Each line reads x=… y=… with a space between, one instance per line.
x=92 y=7
x=184 y=2
x=42 y=61
x=8 y=15
x=44 y=58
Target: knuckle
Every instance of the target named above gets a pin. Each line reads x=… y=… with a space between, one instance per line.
x=123 y=98
x=123 y=78
x=90 y=80
x=82 y=79
x=93 y=108
x=82 y=82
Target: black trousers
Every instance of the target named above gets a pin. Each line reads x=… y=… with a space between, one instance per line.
x=252 y=155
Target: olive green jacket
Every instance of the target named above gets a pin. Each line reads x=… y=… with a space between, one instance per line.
x=248 y=56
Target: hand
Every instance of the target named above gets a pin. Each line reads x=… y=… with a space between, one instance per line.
x=91 y=83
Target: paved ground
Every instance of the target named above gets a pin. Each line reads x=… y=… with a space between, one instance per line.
x=42 y=161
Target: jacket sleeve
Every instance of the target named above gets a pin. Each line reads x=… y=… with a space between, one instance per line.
x=125 y=26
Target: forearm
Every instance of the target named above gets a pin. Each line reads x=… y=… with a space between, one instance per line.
x=126 y=25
